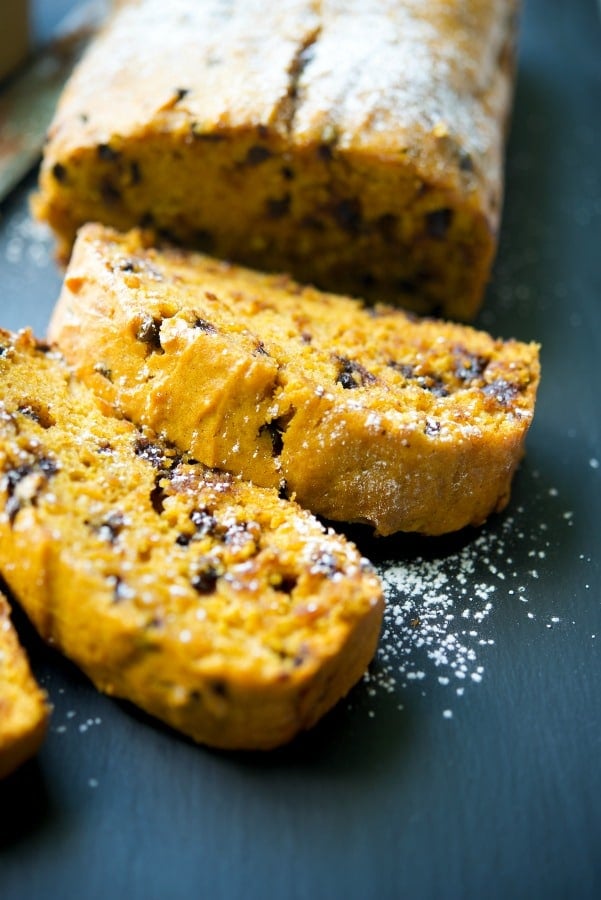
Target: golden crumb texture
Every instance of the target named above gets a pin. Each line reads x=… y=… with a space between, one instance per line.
x=227 y=612
x=23 y=705
x=358 y=145
x=362 y=414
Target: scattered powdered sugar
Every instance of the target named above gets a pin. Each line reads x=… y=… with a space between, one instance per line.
x=438 y=623
x=80 y=726
x=28 y=242
x=435 y=620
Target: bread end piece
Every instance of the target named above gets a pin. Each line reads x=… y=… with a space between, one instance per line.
x=24 y=707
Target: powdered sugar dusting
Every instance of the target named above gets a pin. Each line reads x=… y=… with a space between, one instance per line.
x=28 y=242
x=439 y=620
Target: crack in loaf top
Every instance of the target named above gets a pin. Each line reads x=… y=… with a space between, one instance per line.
x=222 y=63
x=367 y=73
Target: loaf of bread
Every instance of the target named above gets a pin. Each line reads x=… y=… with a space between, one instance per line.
x=23 y=705
x=216 y=606
x=357 y=145
x=362 y=414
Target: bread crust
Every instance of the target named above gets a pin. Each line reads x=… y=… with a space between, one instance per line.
x=364 y=415
x=358 y=145
x=226 y=612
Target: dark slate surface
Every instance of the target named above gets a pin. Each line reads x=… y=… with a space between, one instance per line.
x=493 y=792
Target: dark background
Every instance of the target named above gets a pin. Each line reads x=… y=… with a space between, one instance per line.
x=494 y=793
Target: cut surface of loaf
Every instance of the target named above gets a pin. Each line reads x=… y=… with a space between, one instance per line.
x=23 y=706
x=221 y=609
x=363 y=414
x=357 y=145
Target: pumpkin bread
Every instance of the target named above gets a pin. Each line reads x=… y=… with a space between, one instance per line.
x=362 y=414
x=358 y=145
x=216 y=606
x=23 y=706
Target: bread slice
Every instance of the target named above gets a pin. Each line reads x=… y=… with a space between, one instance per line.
x=364 y=415
x=357 y=144
x=23 y=705
x=221 y=609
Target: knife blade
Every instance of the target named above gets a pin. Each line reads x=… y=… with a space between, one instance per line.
x=28 y=100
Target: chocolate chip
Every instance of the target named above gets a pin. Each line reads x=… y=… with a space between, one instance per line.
x=107 y=153
x=236 y=535
x=313 y=223
x=278 y=207
x=503 y=391
x=205 y=326
x=127 y=265
x=180 y=93
x=204 y=581
x=257 y=154
x=429 y=382
x=110 y=194
x=276 y=429
x=15 y=476
x=146 y=220
x=387 y=225
x=368 y=280
x=38 y=413
x=203 y=522
x=110 y=529
x=470 y=366
x=152 y=453
x=434 y=384
x=105 y=447
x=103 y=370
x=347 y=380
x=135 y=174
x=347 y=214
x=12 y=507
x=158 y=494
x=287 y=584
x=149 y=332
x=406 y=370
x=260 y=349
x=47 y=466
x=352 y=374
x=438 y=223
x=466 y=163
x=325 y=563
x=301 y=657
x=59 y=172
x=204 y=240
x=120 y=590
x=43 y=465
x=219 y=687
x=324 y=152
